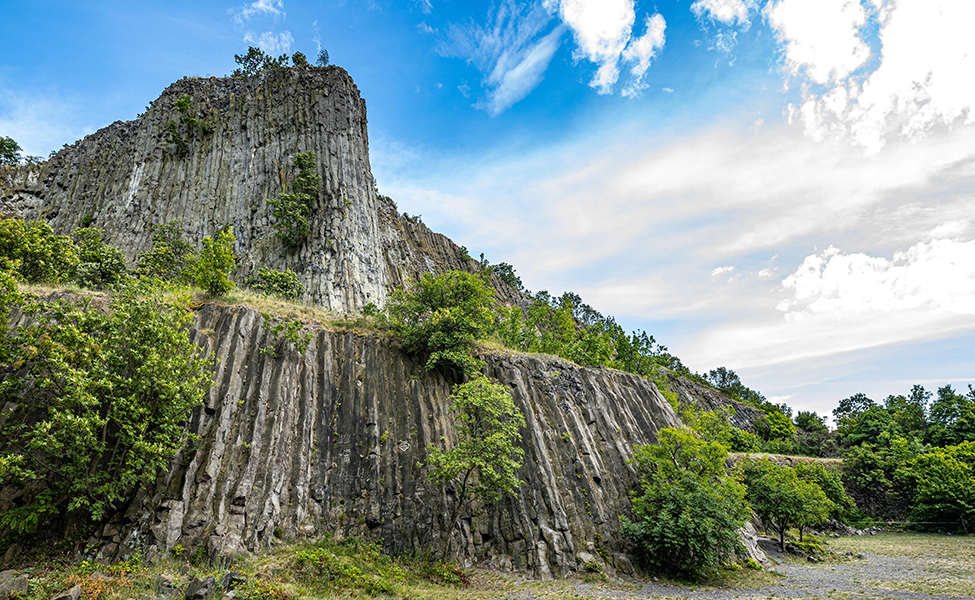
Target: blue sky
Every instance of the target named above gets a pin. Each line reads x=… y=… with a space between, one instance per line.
x=782 y=187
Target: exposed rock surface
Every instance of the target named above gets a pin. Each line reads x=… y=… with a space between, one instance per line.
x=333 y=440
x=706 y=398
x=127 y=176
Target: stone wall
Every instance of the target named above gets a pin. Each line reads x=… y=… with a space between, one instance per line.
x=333 y=440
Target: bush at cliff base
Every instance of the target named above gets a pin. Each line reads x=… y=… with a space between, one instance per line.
x=101 y=401
x=689 y=511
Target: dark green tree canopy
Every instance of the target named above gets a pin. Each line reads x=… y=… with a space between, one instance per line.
x=9 y=151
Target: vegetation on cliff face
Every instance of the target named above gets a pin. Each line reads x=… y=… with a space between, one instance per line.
x=97 y=401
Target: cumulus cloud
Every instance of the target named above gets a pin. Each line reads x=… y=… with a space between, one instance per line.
x=721 y=271
x=603 y=31
x=512 y=52
x=922 y=74
x=936 y=277
x=272 y=8
x=821 y=37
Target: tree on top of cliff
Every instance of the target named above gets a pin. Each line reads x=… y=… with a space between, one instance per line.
x=256 y=61
x=9 y=151
x=442 y=316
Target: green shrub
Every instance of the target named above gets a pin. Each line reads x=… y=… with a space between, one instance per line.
x=102 y=402
x=215 y=263
x=291 y=211
x=171 y=258
x=689 y=511
x=35 y=253
x=441 y=316
x=284 y=284
x=99 y=266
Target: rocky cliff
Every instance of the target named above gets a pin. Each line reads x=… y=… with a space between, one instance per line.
x=237 y=141
x=333 y=439
x=706 y=398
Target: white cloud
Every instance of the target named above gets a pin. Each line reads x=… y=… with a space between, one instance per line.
x=930 y=277
x=821 y=37
x=923 y=73
x=642 y=49
x=272 y=43
x=512 y=52
x=721 y=271
x=422 y=27
x=424 y=5
x=272 y=8
x=603 y=31
x=729 y=12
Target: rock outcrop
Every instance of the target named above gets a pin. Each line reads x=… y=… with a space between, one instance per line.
x=130 y=175
x=706 y=398
x=334 y=439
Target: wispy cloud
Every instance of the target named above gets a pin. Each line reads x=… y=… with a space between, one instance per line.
x=271 y=8
x=40 y=124
x=425 y=6
x=265 y=12
x=270 y=42
x=728 y=12
x=513 y=52
x=515 y=48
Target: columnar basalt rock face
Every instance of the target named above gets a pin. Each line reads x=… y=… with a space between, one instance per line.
x=127 y=177
x=334 y=439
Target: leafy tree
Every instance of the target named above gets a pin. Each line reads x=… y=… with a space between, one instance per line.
x=9 y=151
x=441 y=316
x=256 y=61
x=689 y=511
x=853 y=407
x=278 y=283
x=291 y=210
x=215 y=263
x=99 y=265
x=781 y=499
x=714 y=426
x=171 y=258
x=868 y=426
x=482 y=464
x=831 y=483
x=322 y=60
x=941 y=485
x=102 y=401
x=35 y=253
x=952 y=417
x=869 y=473
x=298 y=59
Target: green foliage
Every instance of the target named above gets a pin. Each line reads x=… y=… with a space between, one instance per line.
x=34 y=253
x=714 y=426
x=869 y=474
x=99 y=265
x=259 y=588
x=941 y=485
x=441 y=316
x=255 y=61
x=783 y=500
x=172 y=258
x=689 y=510
x=9 y=151
x=298 y=59
x=291 y=210
x=180 y=135
x=349 y=565
x=322 y=60
x=482 y=465
x=285 y=331
x=952 y=417
x=102 y=402
x=828 y=480
x=284 y=284
x=215 y=263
